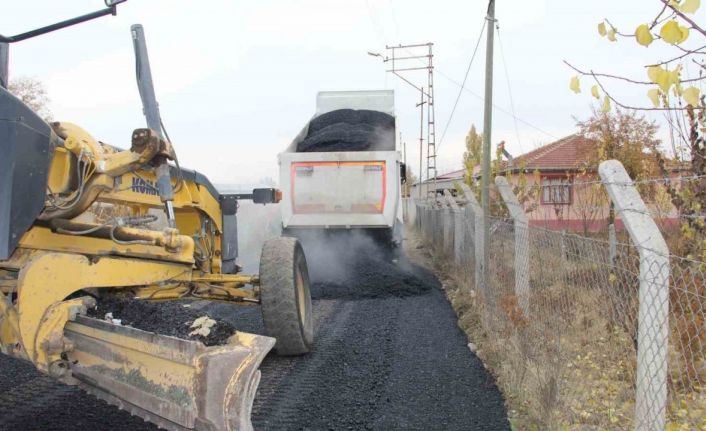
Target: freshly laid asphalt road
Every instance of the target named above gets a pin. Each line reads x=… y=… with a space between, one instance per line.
x=388 y=355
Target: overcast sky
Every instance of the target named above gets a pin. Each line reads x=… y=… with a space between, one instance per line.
x=237 y=80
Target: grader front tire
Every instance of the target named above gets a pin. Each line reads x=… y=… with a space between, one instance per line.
x=285 y=296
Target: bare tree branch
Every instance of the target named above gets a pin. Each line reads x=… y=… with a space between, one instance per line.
x=697 y=51
x=701 y=65
x=616 y=30
x=624 y=106
x=684 y=17
x=655 y=22
x=675 y=127
x=622 y=78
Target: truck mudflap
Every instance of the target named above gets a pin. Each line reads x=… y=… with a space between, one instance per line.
x=174 y=383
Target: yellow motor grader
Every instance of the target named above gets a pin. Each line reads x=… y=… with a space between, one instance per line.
x=60 y=254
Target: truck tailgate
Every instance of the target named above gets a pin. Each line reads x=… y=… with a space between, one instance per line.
x=339 y=189
x=317 y=187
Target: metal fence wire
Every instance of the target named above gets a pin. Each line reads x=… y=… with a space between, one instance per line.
x=581 y=332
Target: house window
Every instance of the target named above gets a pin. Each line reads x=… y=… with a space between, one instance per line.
x=556 y=191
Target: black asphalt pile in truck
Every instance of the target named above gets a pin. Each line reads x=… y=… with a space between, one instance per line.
x=350 y=130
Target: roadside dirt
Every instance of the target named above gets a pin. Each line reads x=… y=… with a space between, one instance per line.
x=388 y=355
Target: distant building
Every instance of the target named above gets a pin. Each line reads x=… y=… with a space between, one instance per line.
x=443 y=182
x=570 y=195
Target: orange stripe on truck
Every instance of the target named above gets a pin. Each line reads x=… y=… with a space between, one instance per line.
x=320 y=208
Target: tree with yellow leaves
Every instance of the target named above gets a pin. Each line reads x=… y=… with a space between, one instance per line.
x=672 y=87
x=473 y=155
x=625 y=136
x=472 y=158
x=668 y=87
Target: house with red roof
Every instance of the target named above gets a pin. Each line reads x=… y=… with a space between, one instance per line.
x=561 y=188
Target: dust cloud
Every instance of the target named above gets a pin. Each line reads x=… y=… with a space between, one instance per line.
x=256 y=224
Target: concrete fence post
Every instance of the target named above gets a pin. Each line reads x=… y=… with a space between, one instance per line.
x=445 y=228
x=449 y=223
x=653 y=312
x=521 y=224
x=405 y=210
x=459 y=232
x=437 y=211
x=421 y=217
x=424 y=220
x=478 y=240
x=431 y=208
x=411 y=212
x=450 y=200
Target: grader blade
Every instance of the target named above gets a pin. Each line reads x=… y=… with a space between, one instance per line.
x=174 y=383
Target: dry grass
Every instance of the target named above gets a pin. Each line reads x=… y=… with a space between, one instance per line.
x=571 y=365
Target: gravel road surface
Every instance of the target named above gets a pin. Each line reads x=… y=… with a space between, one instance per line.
x=388 y=355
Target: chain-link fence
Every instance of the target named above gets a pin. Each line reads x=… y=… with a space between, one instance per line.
x=581 y=332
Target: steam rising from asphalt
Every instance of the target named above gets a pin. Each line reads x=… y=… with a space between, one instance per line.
x=383 y=139
x=328 y=256
x=354 y=265
x=256 y=224
x=332 y=257
x=348 y=265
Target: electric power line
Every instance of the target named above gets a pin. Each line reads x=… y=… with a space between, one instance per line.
x=462 y=88
x=499 y=108
x=509 y=89
x=394 y=19
x=377 y=26
x=463 y=85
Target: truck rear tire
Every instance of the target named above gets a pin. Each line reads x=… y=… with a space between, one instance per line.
x=285 y=296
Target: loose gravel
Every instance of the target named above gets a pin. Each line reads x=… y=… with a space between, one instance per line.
x=357 y=267
x=173 y=318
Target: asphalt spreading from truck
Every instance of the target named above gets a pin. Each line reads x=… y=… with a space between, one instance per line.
x=388 y=355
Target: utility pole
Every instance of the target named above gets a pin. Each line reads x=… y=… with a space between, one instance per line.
x=407 y=170
x=487 y=127
x=404 y=153
x=421 y=61
x=431 y=122
x=421 y=138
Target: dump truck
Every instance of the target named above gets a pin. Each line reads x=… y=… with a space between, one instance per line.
x=342 y=172
x=62 y=253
